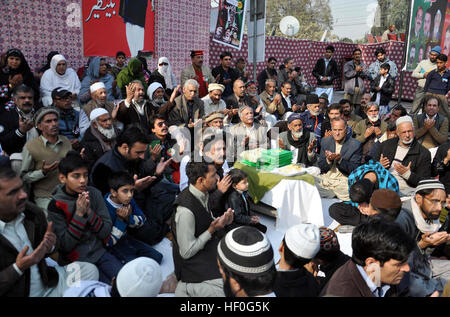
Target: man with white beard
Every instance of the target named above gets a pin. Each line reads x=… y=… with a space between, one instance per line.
x=99 y=97
x=405 y=157
x=369 y=130
x=100 y=137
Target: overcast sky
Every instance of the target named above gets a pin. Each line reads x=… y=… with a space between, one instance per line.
x=352 y=18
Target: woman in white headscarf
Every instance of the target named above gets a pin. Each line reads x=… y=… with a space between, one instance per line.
x=164 y=75
x=59 y=75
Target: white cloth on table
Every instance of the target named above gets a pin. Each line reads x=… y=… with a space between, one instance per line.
x=296 y=202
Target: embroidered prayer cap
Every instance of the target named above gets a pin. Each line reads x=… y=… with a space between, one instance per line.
x=386 y=199
x=215 y=86
x=403 y=120
x=429 y=184
x=196 y=53
x=246 y=251
x=303 y=240
x=249 y=83
x=97 y=112
x=328 y=240
x=96 y=86
x=141 y=277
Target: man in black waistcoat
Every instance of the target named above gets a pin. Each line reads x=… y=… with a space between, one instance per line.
x=196 y=235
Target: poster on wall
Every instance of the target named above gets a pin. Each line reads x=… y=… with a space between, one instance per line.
x=229 y=28
x=118 y=25
x=429 y=27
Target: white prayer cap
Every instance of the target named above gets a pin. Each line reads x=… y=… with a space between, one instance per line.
x=152 y=88
x=97 y=112
x=96 y=86
x=141 y=277
x=403 y=120
x=303 y=240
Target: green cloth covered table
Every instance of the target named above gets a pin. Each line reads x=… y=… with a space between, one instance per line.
x=260 y=182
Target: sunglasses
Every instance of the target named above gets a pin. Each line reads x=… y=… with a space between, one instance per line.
x=163 y=64
x=160 y=124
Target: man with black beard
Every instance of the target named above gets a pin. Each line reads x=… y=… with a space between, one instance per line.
x=348 y=115
x=420 y=220
x=16 y=124
x=196 y=235
x=245 y=260
x=100 y=137
x=128 y=155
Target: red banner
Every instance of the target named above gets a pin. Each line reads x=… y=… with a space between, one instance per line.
x=118 y=25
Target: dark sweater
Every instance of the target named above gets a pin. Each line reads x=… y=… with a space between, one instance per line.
x=298 y=283
x=81 y=238
x=347 y=214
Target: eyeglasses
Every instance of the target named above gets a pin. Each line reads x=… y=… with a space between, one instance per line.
x=436 y=202
x=160 y=124
x=166 y=64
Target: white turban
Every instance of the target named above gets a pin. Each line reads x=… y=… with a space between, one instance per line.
x=96 y=86
x=97 y=112
x=152 y=88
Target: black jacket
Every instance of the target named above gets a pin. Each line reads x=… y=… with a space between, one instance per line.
x=330 y=71
x=347 y=214
x=92 y=147
x=386 y=91
x=11 y=284
x=332 y=266
x=418 y=155
x=299 y=283
x=439 y=168
x=113 y=161
x=240 y=206
x=11 y=139
x=234 y=75
x=232 y=103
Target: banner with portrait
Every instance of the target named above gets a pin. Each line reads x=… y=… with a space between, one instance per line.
x=429 y=27
x=118 y=25
x=229 y=28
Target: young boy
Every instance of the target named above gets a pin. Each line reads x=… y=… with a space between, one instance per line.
x=299 y=246
x=238 y=200
x=125 y=213
x=80 y=219
x=383 y=87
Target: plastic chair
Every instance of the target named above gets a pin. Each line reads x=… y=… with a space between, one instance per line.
x=378 y=38
x=392 y=37
x=402 y=37
x=370 y=38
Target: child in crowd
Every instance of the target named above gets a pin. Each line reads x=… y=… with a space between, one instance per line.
x=238 y=200
x=81 y=220
x=383 y=87
x=125 y=213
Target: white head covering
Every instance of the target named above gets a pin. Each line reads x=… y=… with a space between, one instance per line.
x=141 y=277
x=403 y=120
x=152 y=88
x=303 y=240
x=51 y=80
x=97 y=112
x=96 y=86
x=166 y=71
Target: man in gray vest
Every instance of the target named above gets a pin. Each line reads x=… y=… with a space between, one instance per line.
x=196 y=235
x=40 y=156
